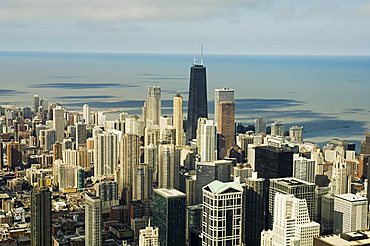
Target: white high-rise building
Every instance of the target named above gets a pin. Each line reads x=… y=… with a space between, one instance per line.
x=292 y=224
x=350 y=213
x=153 y=105
x=67 y=176
x=178 y=119
x=222 y=95
x=58 y=123
x=277 y=129
x=260 y=125
x=93 y=220
x=86 y=114
x=208 y=142
x=304 y=168
x=149 y=236
x=167 y=167
x=105 y=154
x=296 y=134
x=222 y=214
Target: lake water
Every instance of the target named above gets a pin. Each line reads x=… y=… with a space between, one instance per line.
x=328 y=95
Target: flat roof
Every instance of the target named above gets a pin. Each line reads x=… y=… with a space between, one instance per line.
x=351 y=197
x=291 y=181
x=169 y=192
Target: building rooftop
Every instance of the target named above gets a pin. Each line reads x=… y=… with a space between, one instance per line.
x=346 y=239
x=351 y=197
x=169 y=192
x=291 y=181
x=218 y=187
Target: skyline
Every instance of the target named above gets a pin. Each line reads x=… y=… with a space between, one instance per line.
x=243 y=27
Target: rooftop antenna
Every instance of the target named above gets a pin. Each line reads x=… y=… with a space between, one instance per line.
x=201 y=54
x=195 y=54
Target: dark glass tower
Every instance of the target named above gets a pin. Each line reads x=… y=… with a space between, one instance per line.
x=169 y=216
x=197 y=103
x=41 y=217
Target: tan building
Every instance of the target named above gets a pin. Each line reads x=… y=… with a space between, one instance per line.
x=226 y=122
x=178 y=119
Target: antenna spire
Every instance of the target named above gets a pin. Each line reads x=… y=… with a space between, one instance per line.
x=201 y=54
x=195 y=54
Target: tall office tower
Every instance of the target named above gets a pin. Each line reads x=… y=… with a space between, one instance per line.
x=178 y=119
x=93 y=220
x=152 y=135
x=169 y=216
x=144 y=183
x=58 y=123
x=129 y=160
x=350 y=213
x=304 y=168
x=222 y=214
x=365 y=145
x=271 y=162
x=13 y=155
x=134 y=125
x=254 y=200
x=260 y=125
x=206 y=172
x=164 y=122
x=57 y=151
x=168 y=167
x=36 y=103
x=67 y=176
x=194 y=224
x=296 y=134
x=200 y=123
x=341 y=180
x=153 y=105
x=105 y=154
x=226 y=122
x=299 y=188
x=149 y=236
x=327 y=214
x=222 y=95
x=197 y=103
x=81 y=135
x=86 y=114
x=208 y=142
x=151 y=159
x=26 y=113
x=41 y=217
x=169 y=135
x=108 y=193
x=292 y=224
x=277 y=129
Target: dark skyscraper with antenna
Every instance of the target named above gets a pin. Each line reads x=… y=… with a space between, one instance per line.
x=197 y=103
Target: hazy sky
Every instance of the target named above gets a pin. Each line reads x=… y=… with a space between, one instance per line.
x=174 y=26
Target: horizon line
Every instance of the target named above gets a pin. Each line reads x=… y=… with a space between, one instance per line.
x=178 y=53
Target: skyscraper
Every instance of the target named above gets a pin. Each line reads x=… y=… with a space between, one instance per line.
x=292 y=224
x=105 y=154
x=222 y=95
x=197 y=103
x=169 y=216
x=153 y=105
x=277 y=129
x=254 y=212
x=304 y=168
x=350 y=213
x=58 y=123
x=86 y=114
x=93 y=220
x=299 y=188
x=81 y=135
x=208 y=142
x=168 y=167
x=108 y=193
x=260 y=125
x=206 y=172
x=226 y=122
x=222 y=214
x=41 y=217
x=178 y=119
x=296 y=134
x=149 y=236
x=36 y=103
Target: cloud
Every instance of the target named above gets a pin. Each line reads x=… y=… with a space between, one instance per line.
x=8 y=92
x=84 y=97
x=123 y=10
